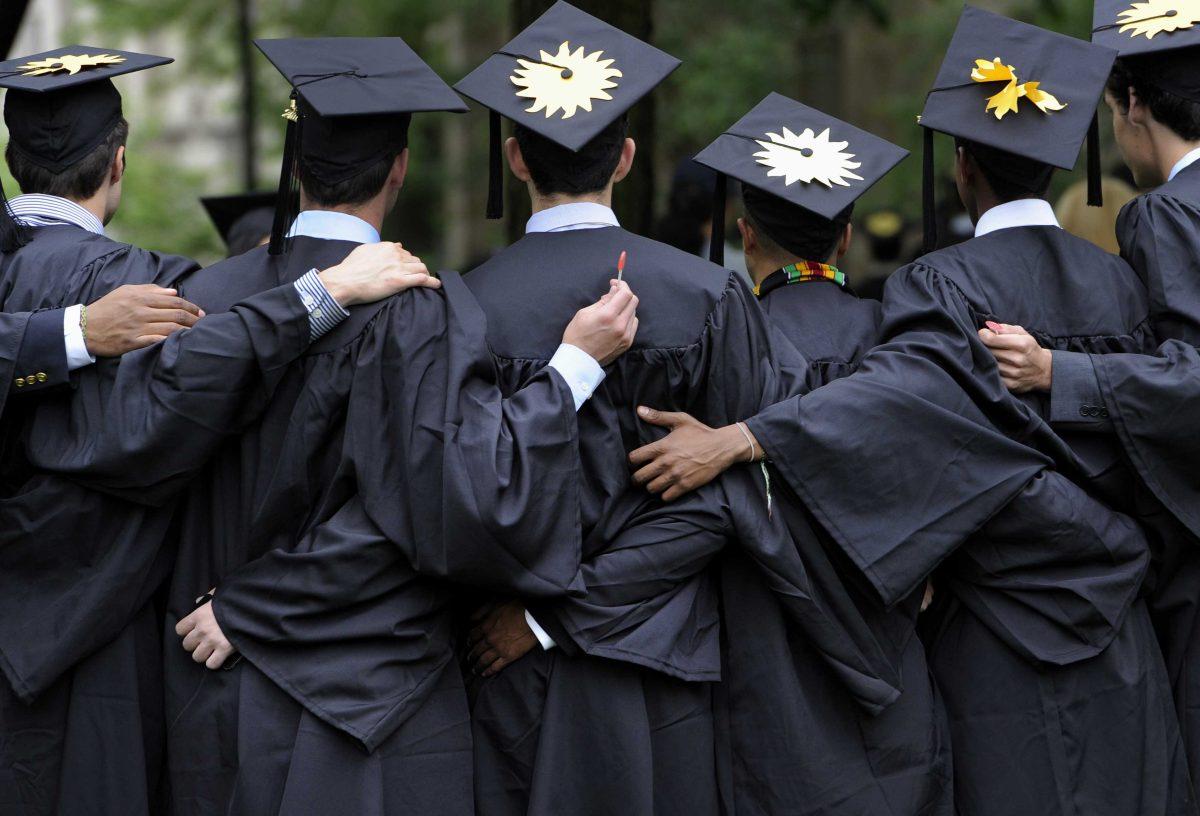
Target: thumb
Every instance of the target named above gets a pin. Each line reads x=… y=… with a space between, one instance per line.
x=663 y=419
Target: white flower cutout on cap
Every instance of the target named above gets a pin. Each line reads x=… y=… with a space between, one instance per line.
x=808 y=157
x=566 y=81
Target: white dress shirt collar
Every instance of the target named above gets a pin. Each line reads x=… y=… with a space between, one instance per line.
x=567 y=217
x=37 y=210
x=1025 y=212
x=333 y=226
x=1184 y=163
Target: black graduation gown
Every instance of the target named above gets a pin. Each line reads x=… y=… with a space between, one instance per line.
x=81 y=710
x=1154 y=404
x=620 y=717
x=79 y=637
x=332 y=531
x=798 y=743
x=1043 y=651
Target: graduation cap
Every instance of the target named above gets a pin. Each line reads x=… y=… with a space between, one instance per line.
x=60 y=106
x=798 y=156
x=352 y=98
x=242 y=220
x=1020 y=90
x=566 y=77
x=1157 y=40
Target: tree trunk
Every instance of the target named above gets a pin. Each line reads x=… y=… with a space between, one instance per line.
x=634 y=199
x=249 y=131
x=11 y=14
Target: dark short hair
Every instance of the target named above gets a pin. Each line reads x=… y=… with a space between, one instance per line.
x=786 y=227
x=1181 y=116
x=555 y=169
x=361 y=187
x=79 y=181
x=1011 y=177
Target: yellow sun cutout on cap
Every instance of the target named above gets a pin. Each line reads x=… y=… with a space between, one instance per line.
x=565 y=81
x=71 y=64
x=808 y=158
x=1159 y=17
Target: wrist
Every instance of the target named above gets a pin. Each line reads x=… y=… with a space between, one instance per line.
x=735 y=449
x=330 y=280
x=1046 y=370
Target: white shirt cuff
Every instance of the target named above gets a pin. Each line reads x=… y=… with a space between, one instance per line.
x=539 y=633
x=582 y=373
x=78 y=355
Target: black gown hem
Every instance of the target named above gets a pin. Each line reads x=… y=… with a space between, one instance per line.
x=369 y=739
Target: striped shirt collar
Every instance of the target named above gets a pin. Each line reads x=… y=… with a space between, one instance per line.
x=580 y=215
x=37 y=210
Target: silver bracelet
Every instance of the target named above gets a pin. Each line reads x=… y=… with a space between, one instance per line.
x=749 y=441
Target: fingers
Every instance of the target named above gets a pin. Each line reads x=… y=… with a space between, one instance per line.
x=1007 y=341
x=644 y=454
x=649 y=473
x=186 y=625
x=193 y=639
x=663 y=419
x=220 y=654
x=203 y=652
x=484 y=660
x=483 y=611
x=495 y=668
x=161 y=300
x=160 y=329
x=621 y=298
x=147 y=340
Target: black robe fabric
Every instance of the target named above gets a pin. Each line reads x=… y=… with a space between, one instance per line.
x=896 y=762
x=1154 y=403
x=385 y=471
x=1040 y=635
x=81 y=708
x=621 y=716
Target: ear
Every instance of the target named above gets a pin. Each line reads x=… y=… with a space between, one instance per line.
x=628 y=151
x=844 y=242
x=964 y=167
x=749 y=238
x=516 y=162
x=117 y=171
x=1136 y=111
x=399 y=170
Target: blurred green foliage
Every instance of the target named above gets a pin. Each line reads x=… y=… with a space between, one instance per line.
x=869 y=61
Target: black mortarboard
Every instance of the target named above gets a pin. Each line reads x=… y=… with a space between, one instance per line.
x=567 y=77
x=354 y=97
x=1158 y=40
x=799 y=155
x=61 y=105
x=1021 y=90
x=242 y=220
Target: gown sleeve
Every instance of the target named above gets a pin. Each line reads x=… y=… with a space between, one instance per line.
x=42 y=360
x=650 y=596
x=904 y=459
x=1154 y=403
x=170 y=405
x=448 y=482
x=774 y=529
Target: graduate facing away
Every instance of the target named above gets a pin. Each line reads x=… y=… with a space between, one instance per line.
x=606 y=704
x=1038 y=617
x=1149 y=403
x=332 y=533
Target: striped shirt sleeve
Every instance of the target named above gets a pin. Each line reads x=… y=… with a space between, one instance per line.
x=324 y=313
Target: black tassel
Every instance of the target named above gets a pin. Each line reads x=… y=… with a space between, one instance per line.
x=285 y=200
x=929 y=194
x=13 y=235
x=1095 y=179
x=716 y=244
x=495 y=203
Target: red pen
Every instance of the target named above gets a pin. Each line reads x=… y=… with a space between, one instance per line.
x=621 y=266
